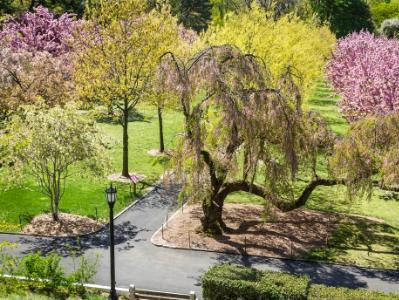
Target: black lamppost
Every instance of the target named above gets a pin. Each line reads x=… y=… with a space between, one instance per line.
x=110 y=194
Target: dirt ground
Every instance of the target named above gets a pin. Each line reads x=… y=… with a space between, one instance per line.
x=279 y=234
x=69 y=225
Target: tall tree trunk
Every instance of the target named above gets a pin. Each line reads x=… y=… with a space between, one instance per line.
x=212 y=220
x=125 y=125
x=161 y=139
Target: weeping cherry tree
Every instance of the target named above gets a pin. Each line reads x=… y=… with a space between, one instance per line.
x=241 y=133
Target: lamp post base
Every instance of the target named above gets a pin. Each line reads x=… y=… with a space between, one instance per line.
x=113 y=295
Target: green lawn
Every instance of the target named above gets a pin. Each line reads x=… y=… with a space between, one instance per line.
x=84 y=195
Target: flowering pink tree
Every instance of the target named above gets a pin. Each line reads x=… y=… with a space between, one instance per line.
x=364 y=70
x=40 y=31
x=36 y=60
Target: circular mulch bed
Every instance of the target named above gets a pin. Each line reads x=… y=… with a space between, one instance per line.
x=117 y=177
x=156 y=153
x=69 y=225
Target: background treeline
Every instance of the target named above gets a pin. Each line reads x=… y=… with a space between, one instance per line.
x=342 y=16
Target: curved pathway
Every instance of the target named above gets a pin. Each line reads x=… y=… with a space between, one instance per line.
x=151 y=267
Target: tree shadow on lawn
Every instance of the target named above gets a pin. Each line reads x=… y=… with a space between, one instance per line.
x=134 y=116
x=390 y=197
x=319 y=273
x=65 y=246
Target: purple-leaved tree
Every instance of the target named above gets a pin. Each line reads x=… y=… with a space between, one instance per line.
x=364 y=70
x=40 y=31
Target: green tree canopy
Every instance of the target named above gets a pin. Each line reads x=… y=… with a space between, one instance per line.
x=282 y=43
x=120 y=52
x=51 y=144
x=343 y=16
x=17 y=7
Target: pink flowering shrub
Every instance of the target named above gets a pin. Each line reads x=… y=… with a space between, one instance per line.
x=364 y=70
x=40 y=31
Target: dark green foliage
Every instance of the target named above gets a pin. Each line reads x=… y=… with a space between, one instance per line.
x=5 y=7
x=279 y=7
x=233 y=282
x=383 y=11
x=194 y=14
x=343 y=16
x=321 y=292
x=17 y=7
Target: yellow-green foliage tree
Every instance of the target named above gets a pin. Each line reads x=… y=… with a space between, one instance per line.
x=120 y=50
x=281 y=43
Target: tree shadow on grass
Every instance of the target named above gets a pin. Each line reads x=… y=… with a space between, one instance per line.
x=390 y=197
x=134 y=116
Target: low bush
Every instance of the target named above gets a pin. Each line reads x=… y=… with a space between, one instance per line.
x=45 y=273
x=231 y=282
x=283 y=286
x=321 y=292
x=390 y=28
x=224 y=282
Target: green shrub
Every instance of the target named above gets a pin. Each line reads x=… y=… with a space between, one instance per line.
x=35 y=267
x=390 y=28
x=383 y=11
x=283 y=286
x=321 y=292
x=225 y=282
x=46 y=272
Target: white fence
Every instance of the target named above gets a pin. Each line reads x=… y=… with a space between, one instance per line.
x=140 y=294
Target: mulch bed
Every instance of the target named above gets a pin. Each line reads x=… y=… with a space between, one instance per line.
x=279 y=234
x=69 y=225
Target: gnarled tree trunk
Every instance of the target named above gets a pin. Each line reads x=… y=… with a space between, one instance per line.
x=212 y=220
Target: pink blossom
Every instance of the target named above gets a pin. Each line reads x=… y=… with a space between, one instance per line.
x=364 y=70
x=40 y=31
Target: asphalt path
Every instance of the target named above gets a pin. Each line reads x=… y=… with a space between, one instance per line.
x=146 y=266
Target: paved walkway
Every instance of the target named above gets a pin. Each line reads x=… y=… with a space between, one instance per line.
x=150 y=267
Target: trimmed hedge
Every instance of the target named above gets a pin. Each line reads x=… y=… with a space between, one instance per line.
x=232 y=282
x=321 y=292
x=225 y=282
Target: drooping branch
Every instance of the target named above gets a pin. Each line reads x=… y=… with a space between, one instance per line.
x=258 y=190
x=301 y=201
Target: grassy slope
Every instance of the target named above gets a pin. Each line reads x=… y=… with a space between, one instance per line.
x=366 y=242
x=83 y=195
x=364 y=235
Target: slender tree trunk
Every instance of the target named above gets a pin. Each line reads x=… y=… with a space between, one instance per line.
x=56 y=210
x=161 y=139
x=125 y=125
